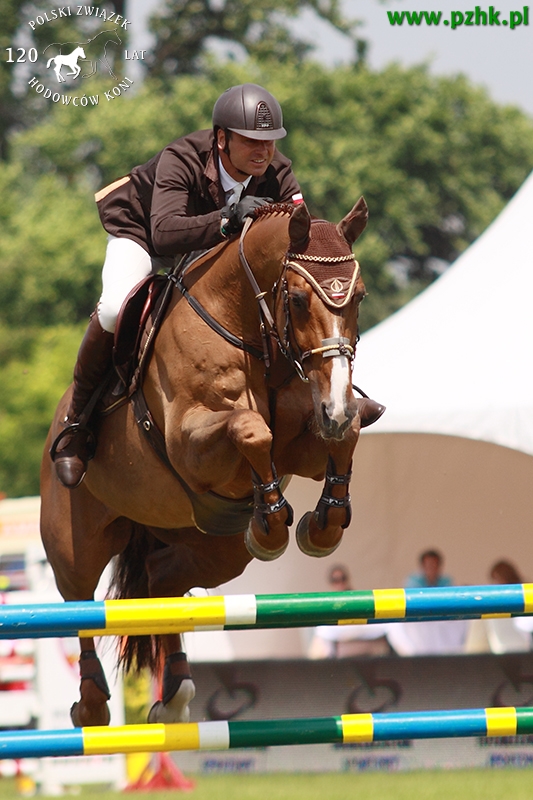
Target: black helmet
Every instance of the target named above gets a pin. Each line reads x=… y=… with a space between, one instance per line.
x=250 y=110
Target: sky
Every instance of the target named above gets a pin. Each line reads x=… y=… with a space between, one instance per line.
x=496 y=57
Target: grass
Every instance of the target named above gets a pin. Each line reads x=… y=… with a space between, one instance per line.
x=427 y=785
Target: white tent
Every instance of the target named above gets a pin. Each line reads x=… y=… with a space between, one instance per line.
x=457 y=360
x=449 y=465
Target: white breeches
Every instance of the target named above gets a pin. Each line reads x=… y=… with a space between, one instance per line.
x=126 y=264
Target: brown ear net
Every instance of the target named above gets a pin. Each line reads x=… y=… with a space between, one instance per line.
x=333 y=277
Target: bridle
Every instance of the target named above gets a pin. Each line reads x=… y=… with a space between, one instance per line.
x=329 y=348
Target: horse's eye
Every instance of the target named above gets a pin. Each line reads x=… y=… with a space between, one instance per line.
x=299 y=300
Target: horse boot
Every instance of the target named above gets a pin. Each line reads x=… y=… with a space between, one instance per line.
x=369 y=410
x=74 y=446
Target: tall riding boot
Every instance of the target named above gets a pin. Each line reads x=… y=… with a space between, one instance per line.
x=75 y=446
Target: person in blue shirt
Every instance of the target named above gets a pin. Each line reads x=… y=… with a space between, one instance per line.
x=431 y=563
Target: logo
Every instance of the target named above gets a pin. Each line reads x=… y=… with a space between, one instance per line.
x=63 y=69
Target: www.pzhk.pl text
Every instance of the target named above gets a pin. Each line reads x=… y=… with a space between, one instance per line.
x=461 y=18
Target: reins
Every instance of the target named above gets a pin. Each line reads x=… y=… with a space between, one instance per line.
x=212 y=322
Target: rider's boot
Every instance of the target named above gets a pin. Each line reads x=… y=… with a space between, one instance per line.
x=76 y=447
x=369 y=410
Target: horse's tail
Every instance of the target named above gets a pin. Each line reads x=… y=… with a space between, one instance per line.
x=130 y=581
x=50 y=61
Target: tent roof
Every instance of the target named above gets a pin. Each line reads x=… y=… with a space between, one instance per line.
x=457 y=360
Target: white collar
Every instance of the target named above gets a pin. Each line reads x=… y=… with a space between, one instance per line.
x=229 y=183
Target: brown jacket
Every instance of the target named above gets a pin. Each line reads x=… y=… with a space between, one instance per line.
x=171 y=204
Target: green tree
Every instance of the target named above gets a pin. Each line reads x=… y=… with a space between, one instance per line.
x=31 y=385
x=184 y=30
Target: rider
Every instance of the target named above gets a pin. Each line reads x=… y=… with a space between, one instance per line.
x=192 y=195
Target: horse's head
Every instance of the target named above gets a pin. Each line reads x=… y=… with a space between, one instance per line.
x=317 y=307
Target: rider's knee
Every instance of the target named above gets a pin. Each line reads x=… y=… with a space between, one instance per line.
x=107 y=315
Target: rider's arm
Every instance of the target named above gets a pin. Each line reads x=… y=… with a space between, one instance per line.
x=184 y=217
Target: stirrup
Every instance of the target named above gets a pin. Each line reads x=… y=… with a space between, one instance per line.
x=75 y=428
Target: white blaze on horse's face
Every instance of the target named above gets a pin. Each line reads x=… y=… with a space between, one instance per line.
x=340 y=385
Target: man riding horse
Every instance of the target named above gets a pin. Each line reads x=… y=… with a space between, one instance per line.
x=192 y=195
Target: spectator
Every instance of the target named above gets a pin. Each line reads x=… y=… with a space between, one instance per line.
x=341 y=641
x=434 y=637
x=431 y=563
x=506 y=635
x=503 y=572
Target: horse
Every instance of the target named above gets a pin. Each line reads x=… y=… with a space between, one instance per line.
x=249 y=382
x=67 y=61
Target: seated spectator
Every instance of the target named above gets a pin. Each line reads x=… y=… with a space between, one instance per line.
x=434 y=637
x=341 y=641
x=503 y=572
x=430 y=574
x=504 y=635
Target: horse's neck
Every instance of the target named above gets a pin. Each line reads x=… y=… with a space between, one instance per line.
x=265 y=246
x=225 y=287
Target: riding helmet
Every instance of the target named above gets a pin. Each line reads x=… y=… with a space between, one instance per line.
x=250 y=110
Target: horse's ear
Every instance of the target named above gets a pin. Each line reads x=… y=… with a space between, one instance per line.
x=354 y=223
x=300 y=227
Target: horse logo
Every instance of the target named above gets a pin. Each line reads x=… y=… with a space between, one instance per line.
x=67 y=61
x=97 y=53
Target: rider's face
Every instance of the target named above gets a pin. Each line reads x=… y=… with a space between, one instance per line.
x=246 y=156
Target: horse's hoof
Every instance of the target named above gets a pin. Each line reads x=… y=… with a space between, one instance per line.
x=82 y=718
x=303 y=539
x=258 y=551
x=177 y=709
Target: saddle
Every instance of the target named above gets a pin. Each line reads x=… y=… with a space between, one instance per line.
x=137 y=324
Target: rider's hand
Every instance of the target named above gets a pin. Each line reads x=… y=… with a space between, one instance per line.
x=233 y=216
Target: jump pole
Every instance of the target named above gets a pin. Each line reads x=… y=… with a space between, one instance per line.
x=238 y=612
x=345 y=729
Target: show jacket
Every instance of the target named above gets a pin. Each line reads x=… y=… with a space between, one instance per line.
x=171 y=204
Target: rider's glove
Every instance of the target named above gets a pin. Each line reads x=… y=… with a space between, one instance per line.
x=233 y=216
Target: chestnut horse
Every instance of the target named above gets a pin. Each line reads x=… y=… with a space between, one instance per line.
x=250 y=378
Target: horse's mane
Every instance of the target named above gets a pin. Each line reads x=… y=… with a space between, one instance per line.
x=270 y=209
x=283 y=209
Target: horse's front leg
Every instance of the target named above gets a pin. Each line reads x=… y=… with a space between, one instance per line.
x=215 y=442
x=320 y=532
x=267 y=535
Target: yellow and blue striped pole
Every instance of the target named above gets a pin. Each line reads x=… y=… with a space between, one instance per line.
x=345 y=729
x=236 y=612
